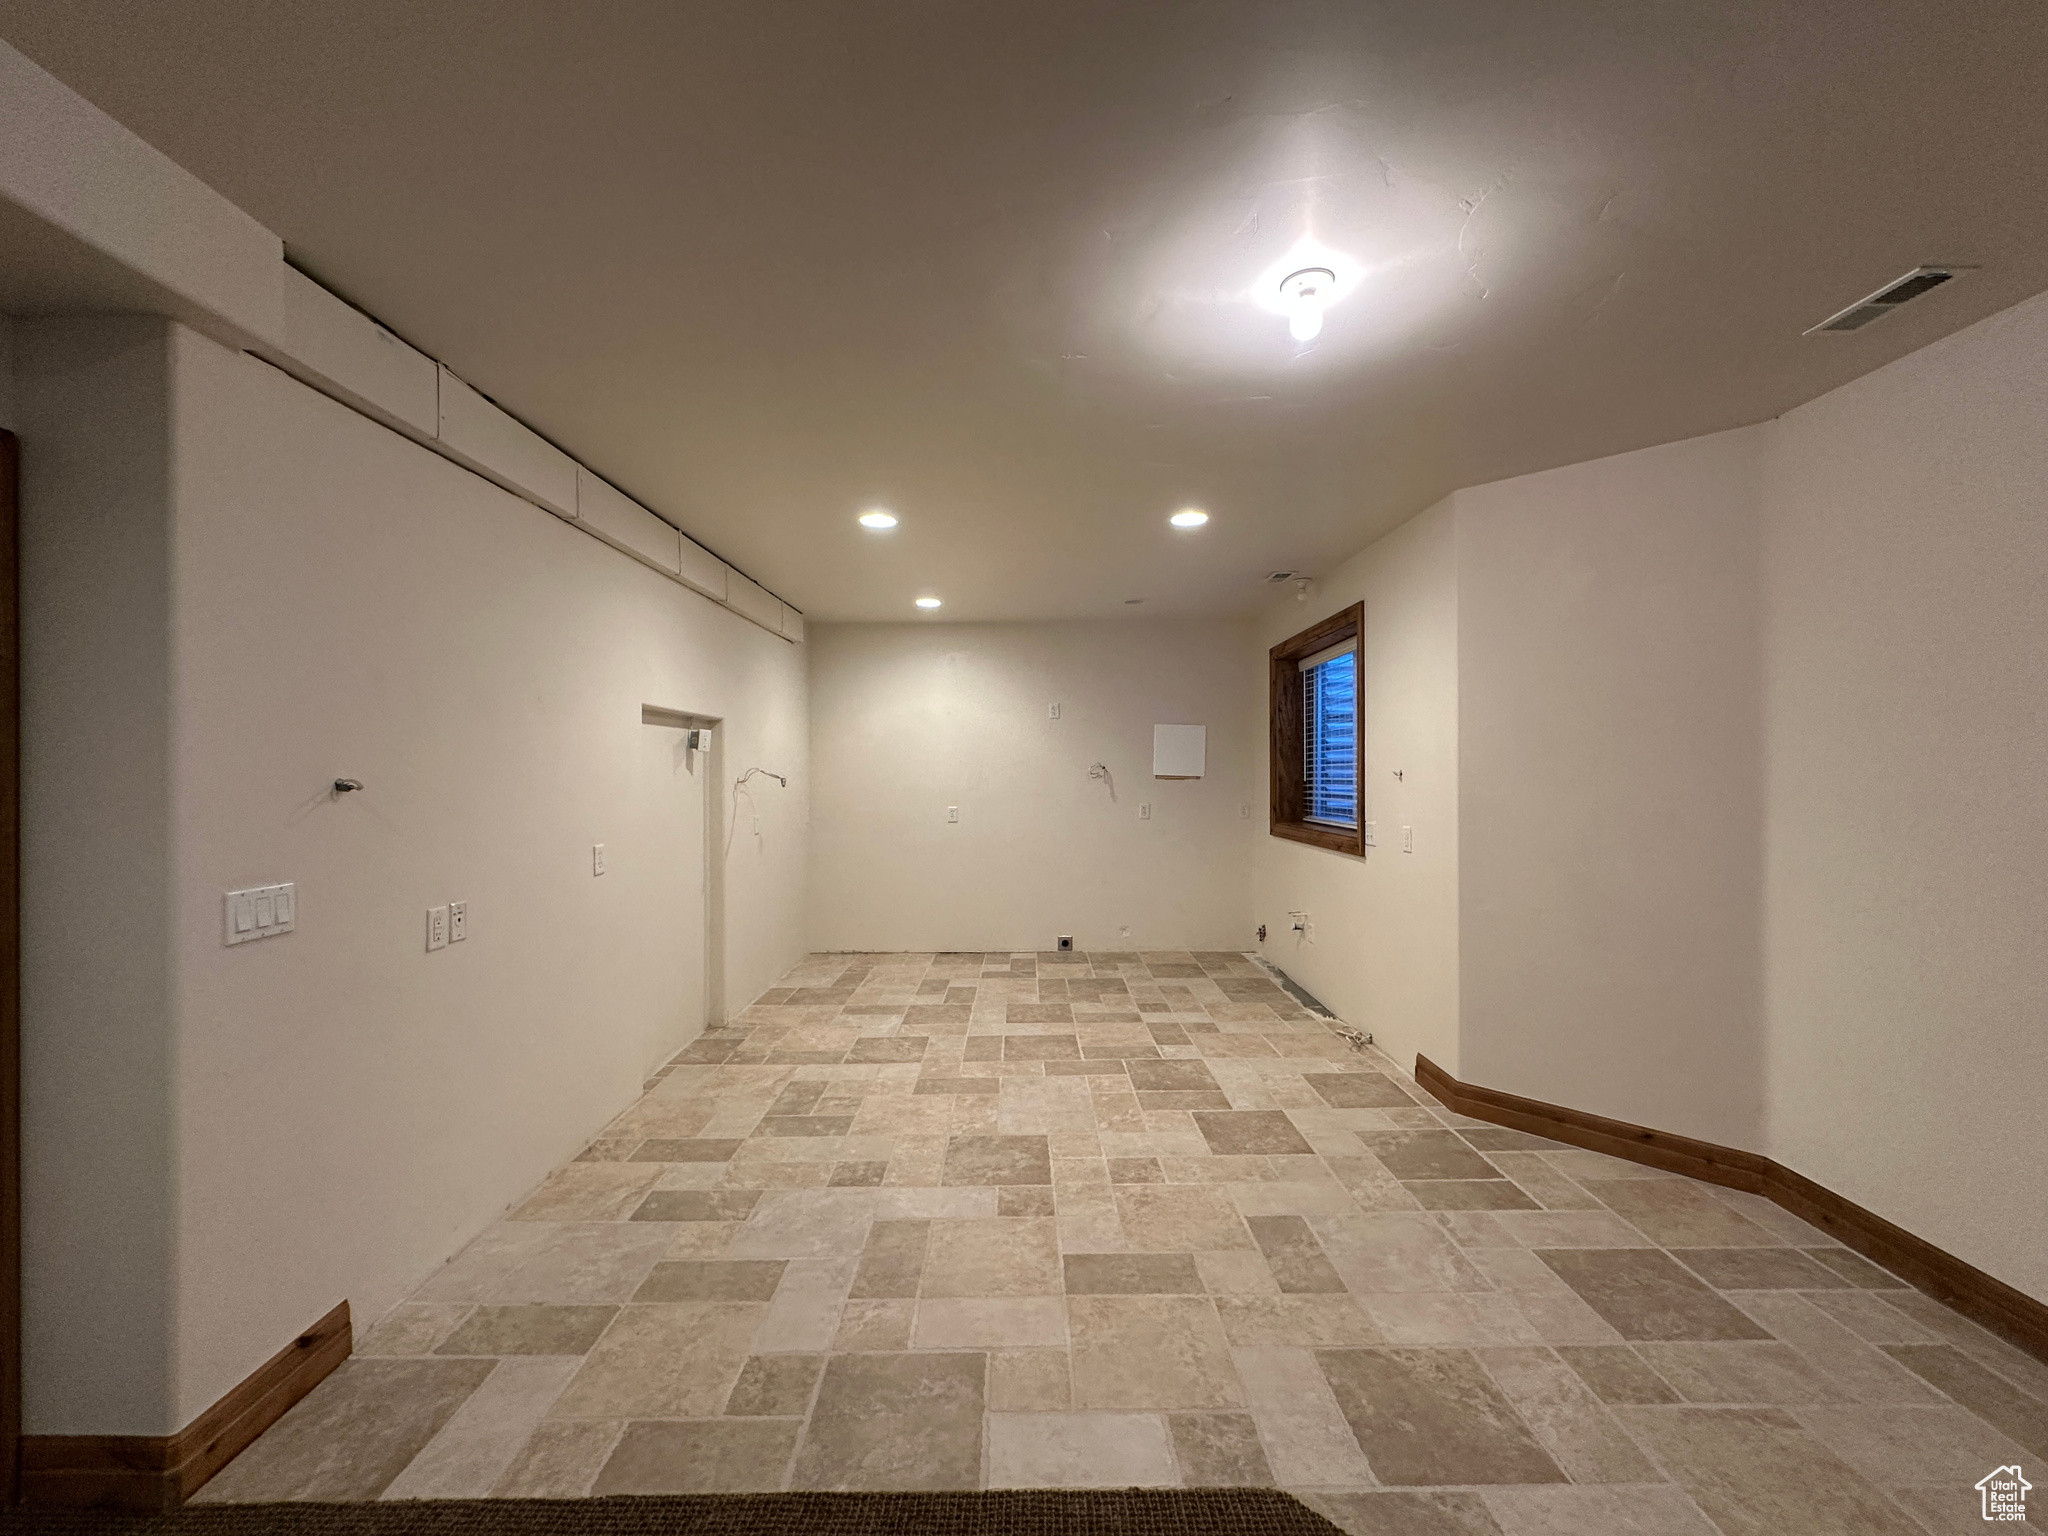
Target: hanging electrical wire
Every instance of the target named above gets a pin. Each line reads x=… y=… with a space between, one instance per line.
x=739 y=787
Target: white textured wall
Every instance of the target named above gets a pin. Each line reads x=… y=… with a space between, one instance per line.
x=1906 y=560
x=1610 y=774
x=1385 y=947
x=908 y=719
x=320 y=597
x=98 y=1138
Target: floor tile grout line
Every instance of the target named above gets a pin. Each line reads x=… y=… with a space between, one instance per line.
x=1442 y=1222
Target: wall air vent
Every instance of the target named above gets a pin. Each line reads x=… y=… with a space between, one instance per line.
x=1888 y=298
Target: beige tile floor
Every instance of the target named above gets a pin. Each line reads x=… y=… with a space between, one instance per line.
x=1033 y=1220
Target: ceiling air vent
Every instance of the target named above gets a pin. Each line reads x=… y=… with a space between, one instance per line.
x=1277 y=577
x=1888 y=298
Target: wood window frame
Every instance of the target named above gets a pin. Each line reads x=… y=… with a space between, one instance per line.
x=10 y=969
x=1287 y=757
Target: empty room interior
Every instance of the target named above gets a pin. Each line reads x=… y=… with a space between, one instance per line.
x=1274 y=766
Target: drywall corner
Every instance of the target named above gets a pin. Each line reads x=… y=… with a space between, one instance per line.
x=98 y=1148
x=1610 y=781
x=104 y=212
x=1380 y=946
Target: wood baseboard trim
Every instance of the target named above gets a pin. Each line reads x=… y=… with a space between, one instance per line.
x=2010 y=1313
x=155 y=1473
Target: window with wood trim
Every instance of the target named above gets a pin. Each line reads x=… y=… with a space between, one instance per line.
x=1318 y=748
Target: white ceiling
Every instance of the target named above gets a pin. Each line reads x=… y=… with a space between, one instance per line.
x=988 y=264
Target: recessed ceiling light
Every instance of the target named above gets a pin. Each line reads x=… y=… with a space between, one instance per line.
x=1129 y=601
x=1190 y=517
x=927 y=602
x=878 y=519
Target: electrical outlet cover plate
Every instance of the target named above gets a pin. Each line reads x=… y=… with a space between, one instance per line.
x=437 y=928
x=458 y=921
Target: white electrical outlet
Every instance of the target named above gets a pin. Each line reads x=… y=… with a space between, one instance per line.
x=1123 y=933
x=437 y=928
x=1052 y=711
x=1369 y=833
x=261 y=912
x=1407 y=839
x=597 y=857
x=458 y=921
x=1145 y=811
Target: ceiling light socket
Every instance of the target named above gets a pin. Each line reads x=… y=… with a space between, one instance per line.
x=878 y=519
x=1310 y=285
x=1304 y=283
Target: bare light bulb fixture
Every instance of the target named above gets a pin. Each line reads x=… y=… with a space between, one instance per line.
x=878 y=519
x=1303 y=284
x=1305 y=293
x=927 y=602
x=1189 y=517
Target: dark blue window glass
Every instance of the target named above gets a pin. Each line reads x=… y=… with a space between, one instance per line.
x=1330 y=694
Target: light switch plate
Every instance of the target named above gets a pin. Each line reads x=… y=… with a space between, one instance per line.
x=261 y=912
x=597 y=858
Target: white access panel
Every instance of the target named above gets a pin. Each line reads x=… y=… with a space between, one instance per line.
x=704 y=571
x=355 y=358
x=618 y=519
x=498 y=447
x=1179 y=751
